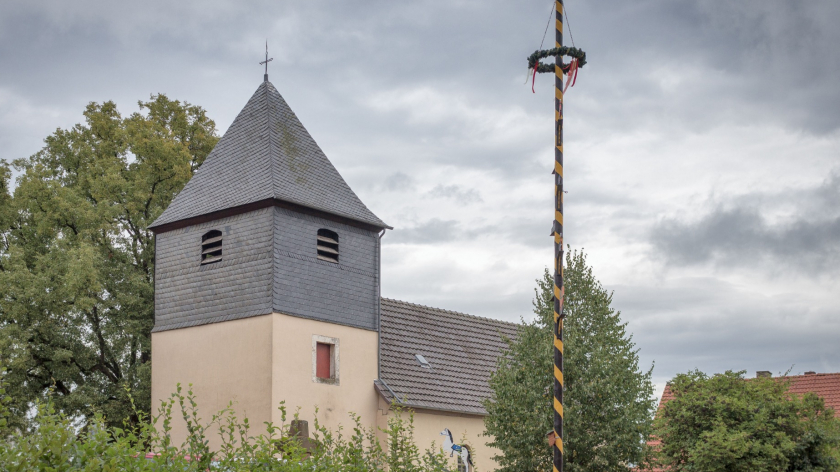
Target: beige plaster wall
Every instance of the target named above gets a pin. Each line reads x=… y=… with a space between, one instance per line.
x=293 y=371
x=259 y=362
x=466 y=429
x=224 y=361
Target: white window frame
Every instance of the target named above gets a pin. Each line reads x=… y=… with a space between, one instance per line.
x=335 y=364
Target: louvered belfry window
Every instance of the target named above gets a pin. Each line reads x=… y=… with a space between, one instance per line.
x=327 y=245
x=211 y=247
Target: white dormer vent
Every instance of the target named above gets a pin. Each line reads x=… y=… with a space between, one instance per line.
x=423 y=362
x=211 y=247
x=327 y=245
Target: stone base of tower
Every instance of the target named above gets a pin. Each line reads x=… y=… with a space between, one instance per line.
x=260 y=361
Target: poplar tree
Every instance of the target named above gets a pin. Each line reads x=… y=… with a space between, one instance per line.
x=76 y=259
x=608 y=399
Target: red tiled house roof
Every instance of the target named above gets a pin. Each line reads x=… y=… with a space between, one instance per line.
x=826 y=386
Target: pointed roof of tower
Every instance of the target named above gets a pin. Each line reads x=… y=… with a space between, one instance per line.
x=265 y=155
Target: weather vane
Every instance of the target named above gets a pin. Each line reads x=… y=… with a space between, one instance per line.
x=266 y=61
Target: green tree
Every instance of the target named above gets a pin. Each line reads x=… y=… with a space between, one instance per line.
x=727 y=423
x=76 y=259
x=608 y=399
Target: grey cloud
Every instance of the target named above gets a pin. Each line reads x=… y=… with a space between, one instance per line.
x=436 y=230
x=91 y=52
x=456 y=193
x=809 y=242
x=530 y=232
x=432 y=231
x=515 y=231
x=698 y=65
x=398 y=182
x=713 y=325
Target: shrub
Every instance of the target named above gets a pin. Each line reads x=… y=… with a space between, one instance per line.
x=55 y=443
x=726 y=422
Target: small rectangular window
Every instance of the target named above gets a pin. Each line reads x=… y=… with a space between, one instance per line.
x=323 y=361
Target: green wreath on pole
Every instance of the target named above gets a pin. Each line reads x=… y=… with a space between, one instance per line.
x=534 y=59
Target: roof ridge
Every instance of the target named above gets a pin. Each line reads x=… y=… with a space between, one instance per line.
x=452 y=312
x=821 y=374
x=269 y=125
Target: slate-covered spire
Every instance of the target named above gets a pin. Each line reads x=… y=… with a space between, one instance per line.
x=267 y=154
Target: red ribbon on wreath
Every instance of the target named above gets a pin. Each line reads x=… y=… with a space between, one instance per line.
x=534 y=77
x=573 y=70
x=571 y=73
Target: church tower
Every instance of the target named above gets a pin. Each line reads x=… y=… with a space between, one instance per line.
x=267 y=277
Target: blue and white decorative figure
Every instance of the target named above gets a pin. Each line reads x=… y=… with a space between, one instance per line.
x=463 y=451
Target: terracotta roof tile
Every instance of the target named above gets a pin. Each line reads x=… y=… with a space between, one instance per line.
x=826 y=386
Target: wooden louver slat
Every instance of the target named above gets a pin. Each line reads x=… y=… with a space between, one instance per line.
x=210 y=259
x=327 y=249
x=211 y=240
x=211 y=250
x=327 y=240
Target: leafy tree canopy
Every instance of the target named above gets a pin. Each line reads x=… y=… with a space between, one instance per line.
x=727 y=423
x=76 y=259
x=608 y=399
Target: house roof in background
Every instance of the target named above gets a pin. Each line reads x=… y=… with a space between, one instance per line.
x=461 y=350
x=266 y=155
x=826 y=386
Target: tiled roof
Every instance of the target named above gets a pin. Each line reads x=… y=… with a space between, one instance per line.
x=826 y=386
x=462 y=350
x=267 y=154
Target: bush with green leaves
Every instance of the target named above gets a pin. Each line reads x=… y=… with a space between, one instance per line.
x=728 y=423
x=57 y=443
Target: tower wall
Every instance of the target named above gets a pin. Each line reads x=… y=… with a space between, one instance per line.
x=224 y=362
x=345 y=293
x=293 y=372
x=269 y=264
x=189 y=294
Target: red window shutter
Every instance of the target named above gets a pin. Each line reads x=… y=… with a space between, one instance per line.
x=322 y=361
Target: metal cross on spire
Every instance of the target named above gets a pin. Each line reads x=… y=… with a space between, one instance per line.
x=266 y=61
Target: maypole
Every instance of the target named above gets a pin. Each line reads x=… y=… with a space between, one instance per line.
x=560 y=69
x=559 y=289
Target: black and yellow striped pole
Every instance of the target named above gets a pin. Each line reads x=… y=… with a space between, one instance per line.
x=559 y=70
x=558 y=241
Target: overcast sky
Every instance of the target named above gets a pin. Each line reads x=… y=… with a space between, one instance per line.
x=702 y=145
